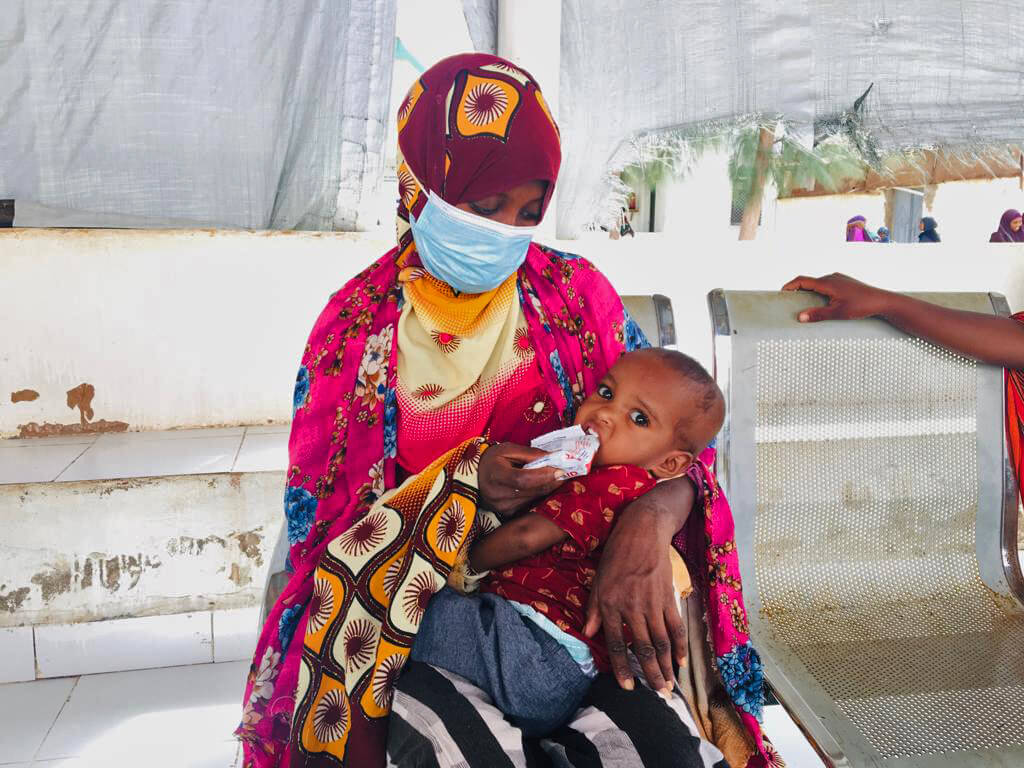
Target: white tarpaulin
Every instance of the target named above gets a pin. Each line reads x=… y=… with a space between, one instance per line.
x=946 y=73
x=256 y=113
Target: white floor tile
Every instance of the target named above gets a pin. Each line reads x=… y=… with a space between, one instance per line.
x=155 y=710
x=235 y=634
x=119 y=644
x=172 y=434
x=263 y=453
x=32 y=442
x=17 y=655
x=29 y=710
x=109 y=754
x=789 y=740
x=110 y=458
x=36 y=463
x=269 y=429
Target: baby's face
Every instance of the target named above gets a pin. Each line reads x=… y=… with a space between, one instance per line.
x=634 y=411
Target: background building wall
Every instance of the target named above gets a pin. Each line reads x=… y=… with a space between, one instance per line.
x=184 y=329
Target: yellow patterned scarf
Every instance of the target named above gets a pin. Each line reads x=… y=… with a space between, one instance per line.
x=457 y=355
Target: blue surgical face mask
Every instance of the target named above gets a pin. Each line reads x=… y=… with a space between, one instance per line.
x=471 y=253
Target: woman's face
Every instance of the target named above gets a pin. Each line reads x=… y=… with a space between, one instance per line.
x=517 y=207
x=1015 y=224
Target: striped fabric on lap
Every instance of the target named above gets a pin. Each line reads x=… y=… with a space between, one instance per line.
x=439 y=720
x=468 y=731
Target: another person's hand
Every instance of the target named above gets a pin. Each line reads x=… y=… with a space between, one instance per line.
x=505 y=487
x=633 y=586
x=847 y=298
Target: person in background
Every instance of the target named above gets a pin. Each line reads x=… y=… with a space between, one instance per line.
x=929 y=231
x=855 y=230
x=1010 y=229
x=624 y=227
x=882 y=235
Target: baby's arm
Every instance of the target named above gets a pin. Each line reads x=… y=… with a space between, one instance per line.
x=528 y=534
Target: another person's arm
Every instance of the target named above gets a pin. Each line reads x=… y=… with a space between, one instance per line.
x=521 y=537
x=988 y=338
x=633 y=586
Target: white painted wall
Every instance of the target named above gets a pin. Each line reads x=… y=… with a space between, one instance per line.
x=171 y=328
x=180 y=329
x=139 y=547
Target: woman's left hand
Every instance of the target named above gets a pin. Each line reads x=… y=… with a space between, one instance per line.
x=505 y=486
x=633 y=586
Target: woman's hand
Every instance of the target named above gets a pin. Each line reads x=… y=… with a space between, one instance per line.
x=847 y=298
x=634 y=586
x=505 y=486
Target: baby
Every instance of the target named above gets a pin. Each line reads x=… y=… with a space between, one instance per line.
x=521 y=639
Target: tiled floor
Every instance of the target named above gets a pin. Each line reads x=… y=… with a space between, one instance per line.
x=176 y=716
x=144 y=454
x=180 y=717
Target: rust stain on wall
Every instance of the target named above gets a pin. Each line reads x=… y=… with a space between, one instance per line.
x=241 y=575
x=32 y=429
x=54 y=581
x=249 y=544
x=12 y=600
x=80 y=397
x=24 y=396
x=188 y=545
x=113 y=573
x=127 y=484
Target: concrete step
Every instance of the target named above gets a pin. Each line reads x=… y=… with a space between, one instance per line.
x=134 y=550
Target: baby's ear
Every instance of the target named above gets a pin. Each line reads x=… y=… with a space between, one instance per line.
x=673 y=465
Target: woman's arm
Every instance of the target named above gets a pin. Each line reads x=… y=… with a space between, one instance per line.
x=988 y=338
x=634 y=586
x=521 y=537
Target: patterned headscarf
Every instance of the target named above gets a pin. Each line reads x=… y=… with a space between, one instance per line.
x=473 y=125
x=1005 y=233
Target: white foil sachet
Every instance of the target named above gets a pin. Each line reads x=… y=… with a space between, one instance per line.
x=571 y=450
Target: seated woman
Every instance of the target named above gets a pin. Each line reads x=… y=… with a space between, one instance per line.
x=988 y=338
x=465 y=335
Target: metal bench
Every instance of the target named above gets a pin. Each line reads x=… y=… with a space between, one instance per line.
x=654 y=316
x=876 y=518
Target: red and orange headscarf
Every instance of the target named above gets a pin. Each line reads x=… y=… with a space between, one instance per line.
x=473 y=125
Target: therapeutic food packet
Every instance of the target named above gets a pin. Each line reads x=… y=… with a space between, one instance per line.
x=571 y=450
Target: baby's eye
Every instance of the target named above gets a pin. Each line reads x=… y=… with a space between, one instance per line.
x=603 y=390
x=639 y=418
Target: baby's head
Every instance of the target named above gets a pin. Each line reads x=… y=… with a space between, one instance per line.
x=655 y=408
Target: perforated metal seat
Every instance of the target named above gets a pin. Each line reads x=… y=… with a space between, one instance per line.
x=876 y=522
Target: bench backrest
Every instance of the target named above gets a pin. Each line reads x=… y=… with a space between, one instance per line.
x=875 y=509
